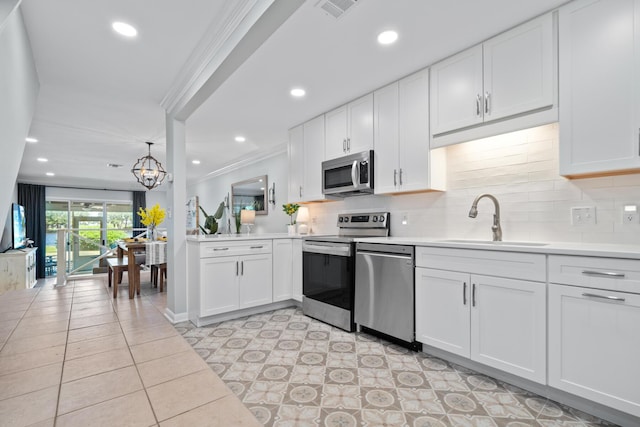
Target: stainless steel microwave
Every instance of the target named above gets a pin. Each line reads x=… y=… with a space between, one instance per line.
x=348 y=176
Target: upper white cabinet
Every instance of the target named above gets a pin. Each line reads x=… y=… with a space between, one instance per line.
x=599 y=91
x=306 y=151
x=403 y=161
x=349 y=128
x=506 y=76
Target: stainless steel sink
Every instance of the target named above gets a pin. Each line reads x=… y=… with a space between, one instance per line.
x=490 y=242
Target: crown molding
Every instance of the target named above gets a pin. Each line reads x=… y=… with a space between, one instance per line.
x=219 y=40
x=256 y=157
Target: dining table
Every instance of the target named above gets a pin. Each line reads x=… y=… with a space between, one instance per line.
x=154 y=253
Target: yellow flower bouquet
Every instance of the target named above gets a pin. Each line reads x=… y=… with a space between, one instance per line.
x=152 y=217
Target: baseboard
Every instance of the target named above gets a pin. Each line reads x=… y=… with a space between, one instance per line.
x=175 y=317
x=204 y=321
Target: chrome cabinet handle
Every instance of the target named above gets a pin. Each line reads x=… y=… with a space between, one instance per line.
x=344 y=145
x=602 y=273
x=478 y=101
x=348 y=144
x=242 y=268
x=486 y=102
x=237 y=268
x=400 y=176
x=473 y=295
x=301 y=191
x=220 y=249
x=395 y=175
x=609 y=297
x=257 y=247
x=464 y=293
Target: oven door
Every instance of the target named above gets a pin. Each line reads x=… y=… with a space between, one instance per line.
x=329 y=273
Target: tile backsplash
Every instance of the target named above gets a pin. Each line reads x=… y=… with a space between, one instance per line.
x=521 y=170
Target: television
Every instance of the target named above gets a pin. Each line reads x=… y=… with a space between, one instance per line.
x=19 y=226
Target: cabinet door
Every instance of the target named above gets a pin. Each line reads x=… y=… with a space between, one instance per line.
x=508 y=325
x=385 y=102
x=413 y=121
x=456 y=91
x=335 y=143
x=594 y=347
x=599 y=69
x=296 y=163
x=313 y=154
x=296 y=261
x=442 y=310
x=518 y=70
x=219 y=292
x=282 y=269
x=360 y=124
x=255 y=280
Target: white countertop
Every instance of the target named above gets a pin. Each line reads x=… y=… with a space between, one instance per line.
x=555 y=248
x=243 y=236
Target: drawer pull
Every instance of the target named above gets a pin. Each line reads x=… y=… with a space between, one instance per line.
x=464 y=293
x=609 y=297
x=257 y=247
x=602 y=273
x=220 y=249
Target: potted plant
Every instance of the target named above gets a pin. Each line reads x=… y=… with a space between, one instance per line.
x=211 y=221
x=290 y=209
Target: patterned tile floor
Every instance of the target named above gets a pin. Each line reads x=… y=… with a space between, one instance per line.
x=291 y=370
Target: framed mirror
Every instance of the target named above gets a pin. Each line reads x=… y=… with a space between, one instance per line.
x=250 y=193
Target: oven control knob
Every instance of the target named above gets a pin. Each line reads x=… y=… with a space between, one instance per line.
x=346 y=219
x=381 y=218
x=340 y=219
x=375 y=218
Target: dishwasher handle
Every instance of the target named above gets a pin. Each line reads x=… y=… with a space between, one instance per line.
x=385 y=254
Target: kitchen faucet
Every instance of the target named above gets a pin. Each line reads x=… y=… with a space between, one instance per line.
x=495 y=228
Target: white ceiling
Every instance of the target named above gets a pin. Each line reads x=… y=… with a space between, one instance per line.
x=100 y=93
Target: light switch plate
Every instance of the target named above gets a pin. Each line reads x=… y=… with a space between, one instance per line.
x=629 y=214
x=581 y=216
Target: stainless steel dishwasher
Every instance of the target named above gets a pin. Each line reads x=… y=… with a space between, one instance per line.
x=384 y=297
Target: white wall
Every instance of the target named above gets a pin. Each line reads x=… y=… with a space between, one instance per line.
x=5 y=241
x=213 y=191
x=521 y=170
x=18 y=92
x=159 y=197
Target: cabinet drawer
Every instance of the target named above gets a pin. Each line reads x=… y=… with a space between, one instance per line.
x=613 y=274
x=514 y=265
x=245 y=247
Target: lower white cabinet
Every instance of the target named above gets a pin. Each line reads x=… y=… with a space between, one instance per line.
x=227 y=276
x=296 y=261
x=17 y=269
x=497 y=321
x=594 y=333
x=282 y=269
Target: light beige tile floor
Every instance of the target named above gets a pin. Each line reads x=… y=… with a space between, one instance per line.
x=74 y=356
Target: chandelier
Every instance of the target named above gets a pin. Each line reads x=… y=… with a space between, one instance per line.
x=148 y=171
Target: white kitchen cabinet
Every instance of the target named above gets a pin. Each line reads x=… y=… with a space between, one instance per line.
x=600 y=91
x=403 y=161
x=349 y=128
x=227 y=276
x=306 y=151
x=282 y=269
x=509 y=75
x=497 y=321
x=18 y=269
x=296 y=163
x=594 y=328
x=296 y=261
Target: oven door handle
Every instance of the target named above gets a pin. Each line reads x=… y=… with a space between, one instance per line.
x=355 y=179
x=327 y=250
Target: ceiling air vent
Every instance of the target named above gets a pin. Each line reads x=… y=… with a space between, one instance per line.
x=114 y=165
x=336 y=8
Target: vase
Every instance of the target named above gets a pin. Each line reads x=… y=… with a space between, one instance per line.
x=152 y=233
x=291 y=230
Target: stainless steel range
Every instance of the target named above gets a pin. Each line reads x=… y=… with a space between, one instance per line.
x=328 y=284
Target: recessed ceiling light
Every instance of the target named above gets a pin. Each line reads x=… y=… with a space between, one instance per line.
x=195 y=162
x=240 y=139
x=42 y=159
x=31 y=139
x=50 y=174
x=298 y=92
x=124 y=29
x=387 y=37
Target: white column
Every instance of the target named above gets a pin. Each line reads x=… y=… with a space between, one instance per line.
x=176 y=309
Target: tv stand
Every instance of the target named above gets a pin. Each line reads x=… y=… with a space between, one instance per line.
x=17 y=269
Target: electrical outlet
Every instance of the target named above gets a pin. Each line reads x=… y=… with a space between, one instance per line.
x=405 y=218
x=629 y=214
x=581 y=216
